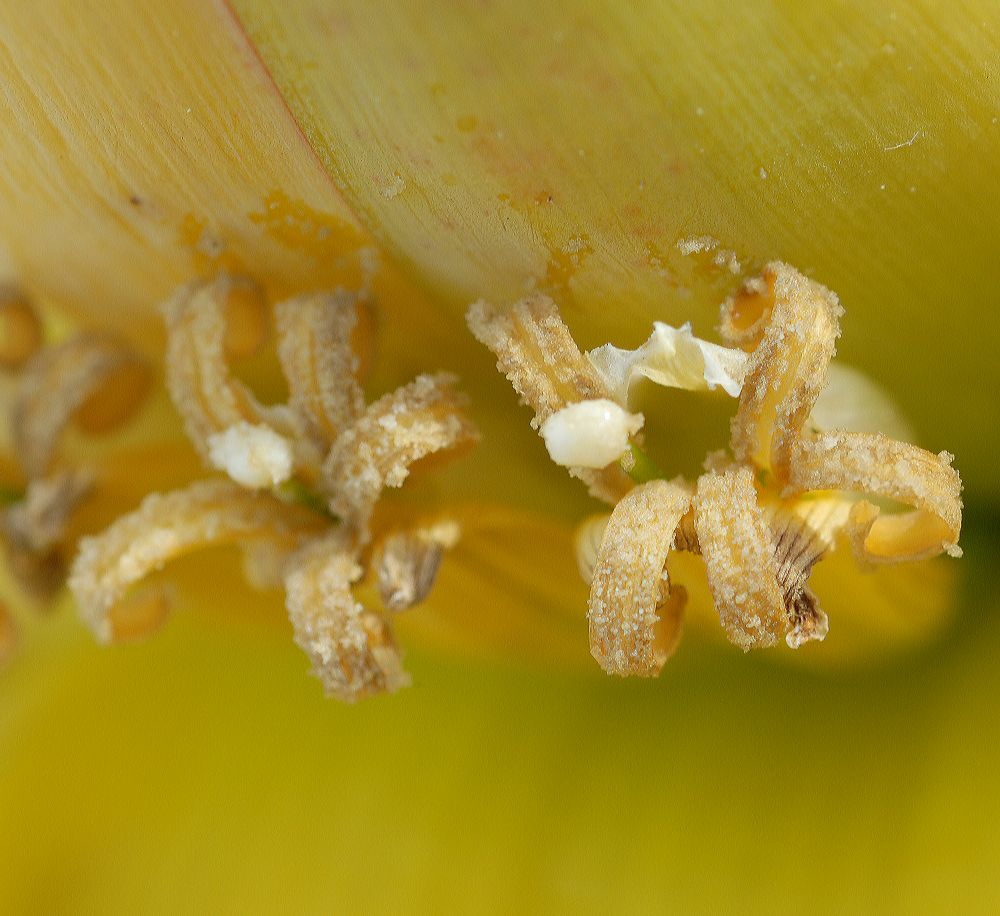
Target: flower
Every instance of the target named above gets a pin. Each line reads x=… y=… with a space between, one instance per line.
x=761 y=521
x=480 y=150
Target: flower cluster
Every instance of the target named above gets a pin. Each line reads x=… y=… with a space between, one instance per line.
x=304 y=478
x=763 y=513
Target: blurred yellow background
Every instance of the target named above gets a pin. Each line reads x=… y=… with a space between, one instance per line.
x=201 y=771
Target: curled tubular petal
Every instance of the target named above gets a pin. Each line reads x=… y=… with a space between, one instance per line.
x=20 y=329
x=352 y=649
x=634 y=624
x=406 y=563
x=739 y=555
x=875 y=464
x=539 y=357
x=89 y=378
x=319 y=361
x=410 y=423
x=206 y=395
x=167 y=526
x=787 y=370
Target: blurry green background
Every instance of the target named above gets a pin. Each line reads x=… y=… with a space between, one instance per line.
x=202 y=771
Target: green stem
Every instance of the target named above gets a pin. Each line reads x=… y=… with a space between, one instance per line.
x=298 y=492
x=644 y=469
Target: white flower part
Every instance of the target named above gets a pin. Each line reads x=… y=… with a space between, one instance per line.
x=589 y=434
x=253 y=455
x=672 y=357
x=852 y=401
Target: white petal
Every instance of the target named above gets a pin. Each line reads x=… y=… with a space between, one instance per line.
x=673 y=357
x=589 y=434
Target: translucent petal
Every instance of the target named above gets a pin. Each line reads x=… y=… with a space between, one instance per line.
x=673 y=357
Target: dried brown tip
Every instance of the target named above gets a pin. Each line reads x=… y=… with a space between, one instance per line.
x=209 y=399
x=90 y=379
x=20 y=329
x=407 y=562
x=787 y=370
x=167 y=526
x=411 y=423
x=352 y=649
x=740 y=559
x=539 y=357
x=634 y=626
x=875 y=464
x=802 y=535
x=319 y=361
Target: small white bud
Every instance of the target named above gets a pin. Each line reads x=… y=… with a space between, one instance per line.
x=589 y=434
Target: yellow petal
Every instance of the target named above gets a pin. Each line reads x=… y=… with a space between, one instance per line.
x=577 y=143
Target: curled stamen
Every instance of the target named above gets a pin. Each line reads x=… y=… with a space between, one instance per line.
x=352 y=649
x=167 y=526
x=787 y=370
x=207 y=396
x=20 y=329
x=536 y=352
x=740 y=558
x=875 y=464
x=314 y=346
x=406 y=563
x=90 y=379
x=411 y=423
x=635 y=622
